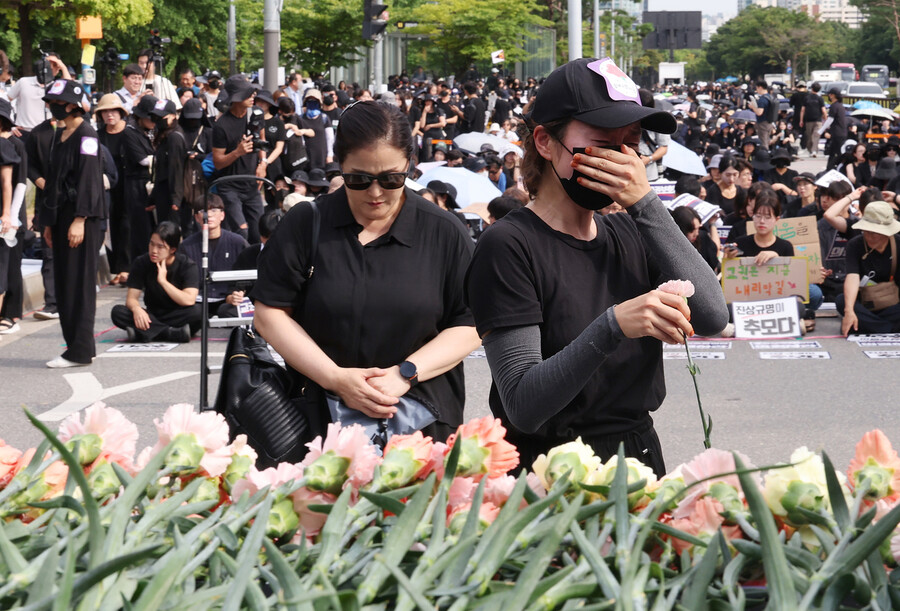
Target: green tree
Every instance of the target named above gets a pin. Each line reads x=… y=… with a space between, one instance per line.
x=463 y=32
x=315 y=34
x=761 y=40
x=38 y=17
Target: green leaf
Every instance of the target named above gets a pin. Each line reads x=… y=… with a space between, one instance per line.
x=605 y=578
x=836 y=495
x=404 y=582
x=695 y=591
x=248 y=557
x=397 y=542
x=160 y=586
x=839 y=589
x=291 y=586
x=778 y=572
x=46 y=576
x=332 y=532
x=61 y=502
x=383 y=501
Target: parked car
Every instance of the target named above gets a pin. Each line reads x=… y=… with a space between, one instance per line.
x=864 y=90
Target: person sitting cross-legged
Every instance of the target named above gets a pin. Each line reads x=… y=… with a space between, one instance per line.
x=169 y=282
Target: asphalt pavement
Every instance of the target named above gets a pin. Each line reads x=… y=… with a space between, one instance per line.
x=764 y=408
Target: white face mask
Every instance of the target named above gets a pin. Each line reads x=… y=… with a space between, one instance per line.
x=408 y=103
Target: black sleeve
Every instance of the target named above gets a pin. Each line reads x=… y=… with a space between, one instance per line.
x=191 y=275
x=784 y=248
x=138 y=273
x=279 y=134
x=90 y=200
x=135 y=148
x=8 y=154
x=109 y=167
x=31 y=149
x=220 y=137
x=177 y=154
x=854 y=255
x=284 y=262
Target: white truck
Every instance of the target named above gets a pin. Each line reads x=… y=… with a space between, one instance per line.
x=671 y=73
x=825 y=76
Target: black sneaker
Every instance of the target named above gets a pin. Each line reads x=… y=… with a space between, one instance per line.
x=181 y=335
x=47 y=314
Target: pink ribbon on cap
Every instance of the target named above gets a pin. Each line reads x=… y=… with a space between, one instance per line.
x=618 y=84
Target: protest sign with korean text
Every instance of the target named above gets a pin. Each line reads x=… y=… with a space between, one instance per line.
x=803 y=233
x=744 y=280
x=771 y=319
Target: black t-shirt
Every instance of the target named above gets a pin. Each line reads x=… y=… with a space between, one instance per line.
x=75 y=181
x=228 y=132
x=316 y=146
x=275 y=133
x=137 y=147
x=432 y=118
x=182 y=274
x=526 y=273
x=798 y=99
x=838 y=127
x=714 y=196
x=473 y=116
x=814 y=105
x=373 y=305
x=450 y=128
x=750 y=248
x=858 y=262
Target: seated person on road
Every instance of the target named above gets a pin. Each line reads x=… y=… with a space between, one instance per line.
x=247 y=260
x=869 y=262
x=170 y=282
x=224 y=248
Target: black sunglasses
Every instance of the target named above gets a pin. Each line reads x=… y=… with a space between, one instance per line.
x=359 y=181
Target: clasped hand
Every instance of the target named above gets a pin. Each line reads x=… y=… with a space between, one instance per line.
x=373 y=391
x=655 y=314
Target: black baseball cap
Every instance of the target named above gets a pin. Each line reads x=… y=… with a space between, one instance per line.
x=144 y=107
x=192 y=109
x=598 y=93
x=70 y=92
x=163 y=107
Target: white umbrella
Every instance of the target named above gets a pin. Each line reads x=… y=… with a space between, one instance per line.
x=430 y=165
x=470 y=187
x=473 y=141
x=683 y=159
x=881 y=113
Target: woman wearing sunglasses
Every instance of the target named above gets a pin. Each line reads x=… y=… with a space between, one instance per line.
x=565 y=298
x=383 y=315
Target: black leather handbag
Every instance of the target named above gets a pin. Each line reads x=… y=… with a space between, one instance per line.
x=254 y=397
x=255 y=393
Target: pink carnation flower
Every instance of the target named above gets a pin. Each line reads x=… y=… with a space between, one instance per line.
x=311 y=521
x=119 y=435
x=682 y=288
x=703 y=522
x=877 y=460
x=484 y=451
x=461 y=492
x=350 y=443
x=208 y=429
x=9 y=459
x=709 y=463
x=273 y=477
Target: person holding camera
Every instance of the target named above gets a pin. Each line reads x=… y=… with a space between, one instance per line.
x=156 y=84
x=139 y=157
x=132 y=87
x=72 y=217
x=234 y=154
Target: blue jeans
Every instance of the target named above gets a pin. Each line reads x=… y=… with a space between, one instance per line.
x=815 y=297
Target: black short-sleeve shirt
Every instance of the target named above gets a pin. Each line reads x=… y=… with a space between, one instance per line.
x=750 y=248
x=879 y=263
x=182 y=274
x=228 y=132
x=374 y=305
x=525 y=273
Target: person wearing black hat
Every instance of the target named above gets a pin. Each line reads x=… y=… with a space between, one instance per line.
x=472 y=114
x=565 y=298
x=169 y=158
x=139 y=156
x=864 y=172
x=275 y=134
x=432 y=122
x=781 y=176
x=72 y=217
x=234 y=155
x=805 y=188
x=837 y=130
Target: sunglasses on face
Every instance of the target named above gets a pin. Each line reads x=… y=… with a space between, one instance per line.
x=359 y=181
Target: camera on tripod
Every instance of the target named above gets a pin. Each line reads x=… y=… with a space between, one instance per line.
x=156 y=45
x=256 y=122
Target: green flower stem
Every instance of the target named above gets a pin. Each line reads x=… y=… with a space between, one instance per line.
x=704 y=420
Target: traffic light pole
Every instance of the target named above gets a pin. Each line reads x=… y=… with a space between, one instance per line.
x=271 y=43
x=378 y=61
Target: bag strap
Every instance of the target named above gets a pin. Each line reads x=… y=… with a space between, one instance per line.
x=314 y=238
x=893 y=256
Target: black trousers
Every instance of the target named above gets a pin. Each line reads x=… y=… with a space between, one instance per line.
x=75 y=273
x=15 y=287
x=141 y=222
x=119 y=232
x=242 y=205
x=882 y=321
x=160 y=322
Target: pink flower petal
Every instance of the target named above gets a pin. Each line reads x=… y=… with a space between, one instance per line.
x=682 y=288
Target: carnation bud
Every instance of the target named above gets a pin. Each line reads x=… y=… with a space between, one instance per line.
x=282 y=519
x=801 y=495
x=327 y=473
x=879 y=481
x=237 y=470
x=103 y=480
x=472 y=458
x=89 y=447
x=185 y=455
x=398 y=469
x=208 y=491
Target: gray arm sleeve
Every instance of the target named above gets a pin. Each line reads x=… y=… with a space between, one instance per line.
x=534 y=390
x=677 y=259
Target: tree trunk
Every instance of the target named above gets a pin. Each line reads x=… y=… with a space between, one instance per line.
x=26 y=36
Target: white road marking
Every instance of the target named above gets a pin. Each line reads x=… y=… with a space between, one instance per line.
x=87 y=390
x=154 y=355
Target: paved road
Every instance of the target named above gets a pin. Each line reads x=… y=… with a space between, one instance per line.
x=765 y=408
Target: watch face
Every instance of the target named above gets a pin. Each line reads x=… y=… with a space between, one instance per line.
x=408 y=370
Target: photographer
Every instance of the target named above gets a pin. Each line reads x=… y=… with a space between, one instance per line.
x=158 y=85
x=28 y=92
x=234 y=155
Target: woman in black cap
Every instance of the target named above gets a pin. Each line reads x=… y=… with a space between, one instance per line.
x=275 y=134
x=72 y=217
x=564 y=298
x=168 y=168
x=382 y=318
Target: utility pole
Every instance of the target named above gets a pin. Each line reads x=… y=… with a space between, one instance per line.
x=271 y=42
x=597 y=28
x=232 y=39
x=575 y=51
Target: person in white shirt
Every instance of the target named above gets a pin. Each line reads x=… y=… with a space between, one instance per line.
x=27 y=95
x=132 y=82
x=162 y=87
x=295 y=90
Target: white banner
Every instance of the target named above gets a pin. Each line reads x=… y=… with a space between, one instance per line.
x=770 y=319
x=794 y=356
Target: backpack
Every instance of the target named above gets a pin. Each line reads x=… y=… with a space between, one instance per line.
x=772 y=109
x=194 y=178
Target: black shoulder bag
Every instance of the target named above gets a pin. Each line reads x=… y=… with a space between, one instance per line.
x=255 y=392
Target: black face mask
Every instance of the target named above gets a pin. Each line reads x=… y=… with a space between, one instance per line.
x=328 y=99
x=873 y=156
x=191 y=124
x=581 y=195
x=59 y=111
x=282 y=193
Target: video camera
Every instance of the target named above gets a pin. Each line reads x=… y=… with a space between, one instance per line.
x=156 y=45
x=256 y=122
x=43 y=69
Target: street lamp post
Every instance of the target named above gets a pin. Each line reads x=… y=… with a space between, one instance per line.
x=575 y=51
